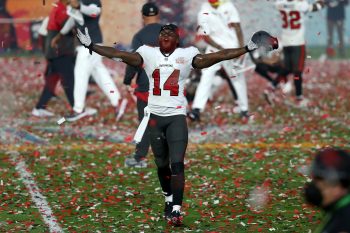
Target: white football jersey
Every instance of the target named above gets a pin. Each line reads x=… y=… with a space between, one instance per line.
x=214 y=23
x=293 y=21
x=167 y=76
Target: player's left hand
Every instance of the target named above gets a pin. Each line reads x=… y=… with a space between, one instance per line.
x=264 y=40
x=85 y=39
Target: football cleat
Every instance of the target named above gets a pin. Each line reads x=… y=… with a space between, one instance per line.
x=246 y=118
x=302 y=102
x=167 y=210
x=76 y=116
x=132 y=162
x=41 y=112
x=176 y=218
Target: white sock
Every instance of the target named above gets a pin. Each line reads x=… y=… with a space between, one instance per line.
x=176 y=207
x=169 y=198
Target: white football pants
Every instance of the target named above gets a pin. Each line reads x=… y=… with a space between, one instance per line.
x=85 y=66
x=204 y=88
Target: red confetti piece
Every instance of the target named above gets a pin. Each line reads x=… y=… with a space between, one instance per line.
x=36 y=154
x=128 y=139
x=259 y=156
x=325 y=116
x=204 y=133
x=287 y=129
x=178 y=107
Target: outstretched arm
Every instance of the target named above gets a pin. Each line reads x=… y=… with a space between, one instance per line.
x=133 y=59
x=206 y=60
x=260 y=39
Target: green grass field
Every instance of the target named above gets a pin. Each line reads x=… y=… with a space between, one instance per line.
x=248 y=179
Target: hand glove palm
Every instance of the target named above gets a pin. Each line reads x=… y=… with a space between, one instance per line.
x=84 y=38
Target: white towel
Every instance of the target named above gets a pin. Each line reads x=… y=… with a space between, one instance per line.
x=143 y=125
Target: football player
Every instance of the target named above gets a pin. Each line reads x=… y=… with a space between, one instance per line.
x=167 y=68
x=86 y=13
x=219 y=26
x=293 y=39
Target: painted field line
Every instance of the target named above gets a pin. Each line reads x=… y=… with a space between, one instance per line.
x=38 y=199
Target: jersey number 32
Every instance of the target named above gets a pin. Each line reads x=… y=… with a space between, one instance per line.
x=291 y=19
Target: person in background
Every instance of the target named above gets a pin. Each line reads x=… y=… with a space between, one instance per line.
x=293 y=15
x=219 y=26
x=60 y=59
x=87 y=64
x=147 y=35
x=330 y=189
x=335 y=19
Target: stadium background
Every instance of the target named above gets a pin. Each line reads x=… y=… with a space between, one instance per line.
x=121 y=19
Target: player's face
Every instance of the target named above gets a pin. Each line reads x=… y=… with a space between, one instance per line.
x=168 y=41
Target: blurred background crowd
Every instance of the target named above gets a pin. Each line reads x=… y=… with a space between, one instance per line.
x=20 y=21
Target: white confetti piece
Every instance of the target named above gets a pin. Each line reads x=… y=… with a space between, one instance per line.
x=78 y=208
x=60 y=121
x=2 y=183
x=308 y=56
x=243 y=224
x=217 y=107
x=216 y=202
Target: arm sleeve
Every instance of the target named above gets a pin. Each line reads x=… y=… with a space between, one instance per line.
x=194 y=52
x=43 y=27
x=93 y=9
x=233 y=13
x=203 y=24
x=131 y=71
x=68 y=26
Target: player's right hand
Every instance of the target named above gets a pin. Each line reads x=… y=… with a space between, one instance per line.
x=264 y=40
x=84 y=38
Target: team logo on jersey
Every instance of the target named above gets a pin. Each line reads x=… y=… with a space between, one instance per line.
x=180 y=60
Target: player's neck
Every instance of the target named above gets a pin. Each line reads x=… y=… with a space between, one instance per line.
x=167 y=54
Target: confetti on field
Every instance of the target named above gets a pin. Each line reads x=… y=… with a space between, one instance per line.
x=60 y=121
